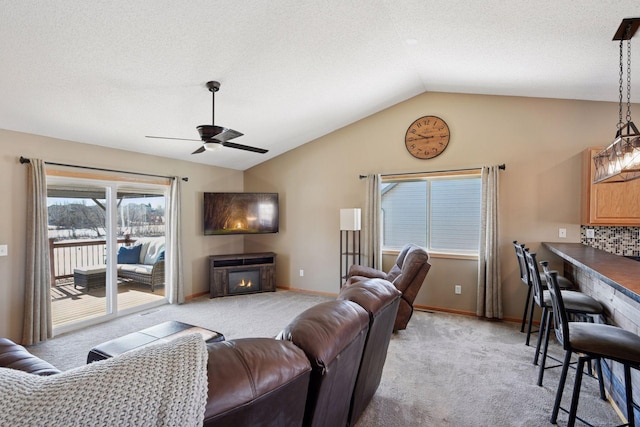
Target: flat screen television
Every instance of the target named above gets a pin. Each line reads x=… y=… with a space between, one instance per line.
x=240 y=213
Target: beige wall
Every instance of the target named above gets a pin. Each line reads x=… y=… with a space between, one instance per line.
x=13 y=175
x=540 y=140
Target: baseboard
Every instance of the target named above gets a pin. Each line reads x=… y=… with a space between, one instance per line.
x=443 y=310
x=462 y=312
x=192 y=296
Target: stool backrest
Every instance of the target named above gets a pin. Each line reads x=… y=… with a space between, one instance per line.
x=534 y=276
x=522 y=263
x=560 y=317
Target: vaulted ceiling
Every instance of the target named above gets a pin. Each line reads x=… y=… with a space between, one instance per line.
x=110 y=72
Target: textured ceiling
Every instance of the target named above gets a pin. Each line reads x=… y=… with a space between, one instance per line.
x=110 y=72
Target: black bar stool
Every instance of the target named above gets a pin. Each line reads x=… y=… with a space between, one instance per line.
x=524 y=277
x=592 y=341
x=576 y=303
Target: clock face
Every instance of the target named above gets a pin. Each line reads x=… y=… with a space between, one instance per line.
x=427 y=137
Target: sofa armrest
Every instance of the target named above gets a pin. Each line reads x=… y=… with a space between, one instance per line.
x=157 y=274
x=15 y=356
x=361 y=270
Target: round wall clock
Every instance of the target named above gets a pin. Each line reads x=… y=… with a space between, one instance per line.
x=427 y=137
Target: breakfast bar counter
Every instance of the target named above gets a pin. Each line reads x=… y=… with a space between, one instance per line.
x=611 y=279
x=622 y=274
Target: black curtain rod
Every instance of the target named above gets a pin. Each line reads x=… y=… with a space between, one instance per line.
x=24 y=160
x=501 y=167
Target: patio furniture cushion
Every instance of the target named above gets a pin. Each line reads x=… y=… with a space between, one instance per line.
x=129 y=255
x=150 y=248
x=149 y=267
x=163 y=384
x=135 y=268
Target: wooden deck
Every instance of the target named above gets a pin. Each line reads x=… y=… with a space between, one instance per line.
x=70 y=305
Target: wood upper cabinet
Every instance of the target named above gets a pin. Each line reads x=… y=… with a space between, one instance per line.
x=616 y=203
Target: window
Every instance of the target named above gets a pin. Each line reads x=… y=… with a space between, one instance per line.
x=440 y=213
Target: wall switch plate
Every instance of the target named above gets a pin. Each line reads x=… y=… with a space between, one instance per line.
x=562 y=233
x=458 y=289
x=591 y=233
x=4 y=250
x=301 y=272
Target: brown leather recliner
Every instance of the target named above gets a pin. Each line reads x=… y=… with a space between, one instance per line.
x=381 y=300
x=15 y=356
x=256 y=381
x=332 y=335
x=407 y=275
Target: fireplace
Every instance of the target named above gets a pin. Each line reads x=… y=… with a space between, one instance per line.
x=242 y=274
x=244 y=281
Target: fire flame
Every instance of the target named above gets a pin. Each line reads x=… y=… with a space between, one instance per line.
x=244 y=284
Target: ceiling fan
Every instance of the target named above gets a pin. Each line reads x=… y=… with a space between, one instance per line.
x=215 y=137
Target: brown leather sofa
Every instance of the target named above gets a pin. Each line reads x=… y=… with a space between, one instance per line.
x=332 y=334
x=17 y=357
x=407 y=275
x=322 y=369
x=256 y=381
x=381 y=300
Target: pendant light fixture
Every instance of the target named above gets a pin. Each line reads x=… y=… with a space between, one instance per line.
x=620 y=161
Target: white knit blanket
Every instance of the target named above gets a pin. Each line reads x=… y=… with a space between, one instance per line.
x=158 y=385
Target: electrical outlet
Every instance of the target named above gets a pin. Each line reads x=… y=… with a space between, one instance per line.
x=591 y=233
x=562 y=233
x=458 y=289
x=301 y=272
x=4 y=250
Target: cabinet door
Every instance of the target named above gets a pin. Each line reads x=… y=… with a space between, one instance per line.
x=268 y=276
x=616 y=203
x=218 y=282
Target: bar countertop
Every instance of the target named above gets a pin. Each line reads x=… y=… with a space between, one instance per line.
x=621 y=273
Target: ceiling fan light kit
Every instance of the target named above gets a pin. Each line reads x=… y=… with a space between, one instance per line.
x=620 y=161
x=215 y=137
x=212 y=146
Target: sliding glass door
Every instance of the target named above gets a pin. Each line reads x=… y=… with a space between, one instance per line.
x=78 y=253
x=106 y=242
x=140 y=223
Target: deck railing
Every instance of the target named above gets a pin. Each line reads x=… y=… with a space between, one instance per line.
x=65 y=256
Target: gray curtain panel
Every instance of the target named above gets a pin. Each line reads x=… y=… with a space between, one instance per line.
x=176 y=295
x=372 y=227
x=37 y=307
x=489 y=301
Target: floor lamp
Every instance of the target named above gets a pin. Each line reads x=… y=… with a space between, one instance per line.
x=349 y=241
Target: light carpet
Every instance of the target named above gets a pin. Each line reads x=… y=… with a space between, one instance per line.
x=443 y=370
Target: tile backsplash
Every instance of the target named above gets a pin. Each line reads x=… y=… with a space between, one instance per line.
x=618 y=240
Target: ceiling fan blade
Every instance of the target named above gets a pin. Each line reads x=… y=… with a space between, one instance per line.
x=218 y=133
x=200 y=150
x=244 y=147
x=228 y=134
x=167 y=137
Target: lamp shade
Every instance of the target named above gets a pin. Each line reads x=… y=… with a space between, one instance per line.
x=350 y=219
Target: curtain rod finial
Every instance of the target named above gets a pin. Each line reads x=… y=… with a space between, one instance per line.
x=24 y=160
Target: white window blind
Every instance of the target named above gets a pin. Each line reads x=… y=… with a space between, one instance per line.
x=441 y=214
